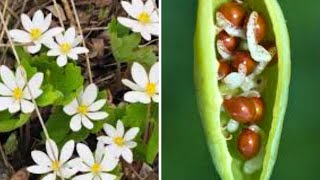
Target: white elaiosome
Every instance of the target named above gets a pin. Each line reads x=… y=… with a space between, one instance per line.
x=37 y=31
x=145 y=18
x=118 y=142
x=145 y=87
x=223 y=23
x=97 y=166
x=84 y=108
x=66 y=47
x=14 y=92
x=53 y=165
x=232 y=126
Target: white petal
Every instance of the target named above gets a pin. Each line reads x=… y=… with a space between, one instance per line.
x=129 y=23
x=85 y=154
x=77 y=41
x=138 y=5
x=73 y=56
x=155 y=98
x=153 y=29
x=51 y=33
x=80 y=165
x=5 y=102
x=46 y=23
x=97 y=115
x=34 y=48
x=67 y=172
x=79 y=50
x=53 y=52
x=155 y=18
x=67 y=151
x=38 y=19
x=21 y=77
x=146 y=35
x=51 y=176
x=62 y=60
x=234 y=80
x=26 y=22
x=107 y=176
x=4 y=90
x=97 y=105
x=41 y=158
x=20 y=36
x=149 y=6
x=51 y=44
x=154 y=73
x=34 y=84
x=89 y=95
x=60 y=39
x=86 y=122
x=127 y=155
x=120 y=129
x=136 y=96
x=139 y=74
x=70 y=35
x=27 y=106
x=132 y=85
x=87 y=176
x=75 y=123
x=8 y=77
x=131 y=144
x=71 y=108
x=109 y=130
x=132 y=11
x=105 y=139
x=14 y=107
x=131 y=134
x=52 y=150
x=39 y=169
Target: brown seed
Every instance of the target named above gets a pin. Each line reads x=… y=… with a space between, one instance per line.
x=248 y=143
x=245 y=109
x=233 y=12
x=230 y=42
x=224 y=69
x=242 y=62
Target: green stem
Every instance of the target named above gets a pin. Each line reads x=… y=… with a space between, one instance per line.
x=148 y=127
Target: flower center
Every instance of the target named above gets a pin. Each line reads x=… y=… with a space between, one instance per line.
x=55 y=165
x=95 y=168
x=35 y=34
x=65 y=48
x=151 y=88
x=17 y=93
x=144 y=18
x=119 y=141
x=83 y=109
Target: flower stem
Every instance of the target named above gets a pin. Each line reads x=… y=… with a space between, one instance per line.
x=148 y=127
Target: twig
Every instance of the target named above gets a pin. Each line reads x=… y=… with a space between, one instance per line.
x=29 y=89
x=55 y=4
x=67 y=8
x=83 y=42
x=4 y=157
x=7 y=19
x=10 y=10
x=148 y=43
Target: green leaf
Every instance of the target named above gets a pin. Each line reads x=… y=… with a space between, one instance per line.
x=11 y=144
x=115 y=27
x=9 y=122
x=135 y=116
x=152 y=147
x=58 y=125
x=49 y=96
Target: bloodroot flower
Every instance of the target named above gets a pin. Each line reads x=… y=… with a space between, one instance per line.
x=84 y=108
x=146 y=87
x=145 y=18
x=36 y=31
x=120 y=143
x=66 y=46
x=97 y=166
x=14 y=92
x=51 y=162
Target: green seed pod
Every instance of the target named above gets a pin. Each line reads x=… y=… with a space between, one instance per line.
x=224 y=153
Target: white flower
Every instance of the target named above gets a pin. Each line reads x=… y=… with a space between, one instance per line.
x=146 y=18
x=120 y=143
x=145 y=87
x=36 y=31
x=51 y=162
x=84 y=108
x=66 y=46
x=97 y=166
x=14 y=92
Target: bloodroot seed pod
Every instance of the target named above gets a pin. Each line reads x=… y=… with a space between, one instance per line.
x=244 y=109
x=248 y=143
x=230 y=42
x=233 y=12
x=224 y=69
x=242 y=62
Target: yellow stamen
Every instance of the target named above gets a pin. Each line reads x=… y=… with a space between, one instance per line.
x=55 y=165
x=151 y=89
x=65 y=48
x=17 y=93
x=96 y=168
x=119 y=141
x=83 y=109
x=144 y=18
x=35 y=34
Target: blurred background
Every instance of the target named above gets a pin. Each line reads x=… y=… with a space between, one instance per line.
x=184 y=152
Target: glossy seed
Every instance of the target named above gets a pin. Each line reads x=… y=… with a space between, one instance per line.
x=242 y=62
x=233 y=12
x=248 y=143
x=260 y=27
x=230 y=42
x=245 y=109
x=224 y=69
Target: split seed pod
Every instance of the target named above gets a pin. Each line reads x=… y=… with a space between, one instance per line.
x=229 y=166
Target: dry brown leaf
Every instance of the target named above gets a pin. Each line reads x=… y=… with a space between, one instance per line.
x=22 y=174
x=55 y=13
